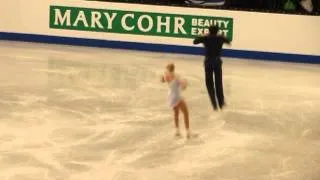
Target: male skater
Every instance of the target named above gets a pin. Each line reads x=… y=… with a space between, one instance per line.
x=213 y=45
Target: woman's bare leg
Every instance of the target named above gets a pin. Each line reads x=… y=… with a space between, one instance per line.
x=185 y=111
x=176 y=119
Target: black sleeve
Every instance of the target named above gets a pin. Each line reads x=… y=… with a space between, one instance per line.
x=225 y=40
x=198 y=40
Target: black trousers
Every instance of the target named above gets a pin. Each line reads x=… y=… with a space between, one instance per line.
x=316 y=5
x=214 y=87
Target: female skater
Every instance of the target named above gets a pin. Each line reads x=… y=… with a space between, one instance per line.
x=176 y=101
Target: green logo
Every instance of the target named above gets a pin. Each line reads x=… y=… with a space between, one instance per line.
x=140 y=23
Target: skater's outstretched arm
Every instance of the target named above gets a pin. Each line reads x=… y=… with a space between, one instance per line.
x=198 y=40
x=226 y=40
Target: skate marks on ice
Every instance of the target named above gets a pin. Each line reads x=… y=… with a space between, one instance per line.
x=101 y=114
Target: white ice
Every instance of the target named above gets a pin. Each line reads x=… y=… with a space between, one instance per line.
x=77 y=113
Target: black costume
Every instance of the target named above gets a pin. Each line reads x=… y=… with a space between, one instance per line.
x=213 y=64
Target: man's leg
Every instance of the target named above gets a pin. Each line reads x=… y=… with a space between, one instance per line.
x=219 y=84
x=210 y=84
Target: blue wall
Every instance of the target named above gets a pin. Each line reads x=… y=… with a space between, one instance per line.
x=255 y=55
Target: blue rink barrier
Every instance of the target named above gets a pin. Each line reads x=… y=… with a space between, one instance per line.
x=196 y=50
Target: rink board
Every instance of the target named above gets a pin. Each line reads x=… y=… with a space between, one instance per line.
x=267 y=36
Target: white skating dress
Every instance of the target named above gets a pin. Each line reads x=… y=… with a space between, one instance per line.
x=174 y=95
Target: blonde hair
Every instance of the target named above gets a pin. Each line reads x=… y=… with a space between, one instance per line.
x=170 y=67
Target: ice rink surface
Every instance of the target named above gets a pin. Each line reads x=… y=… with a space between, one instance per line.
x=77 y=113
